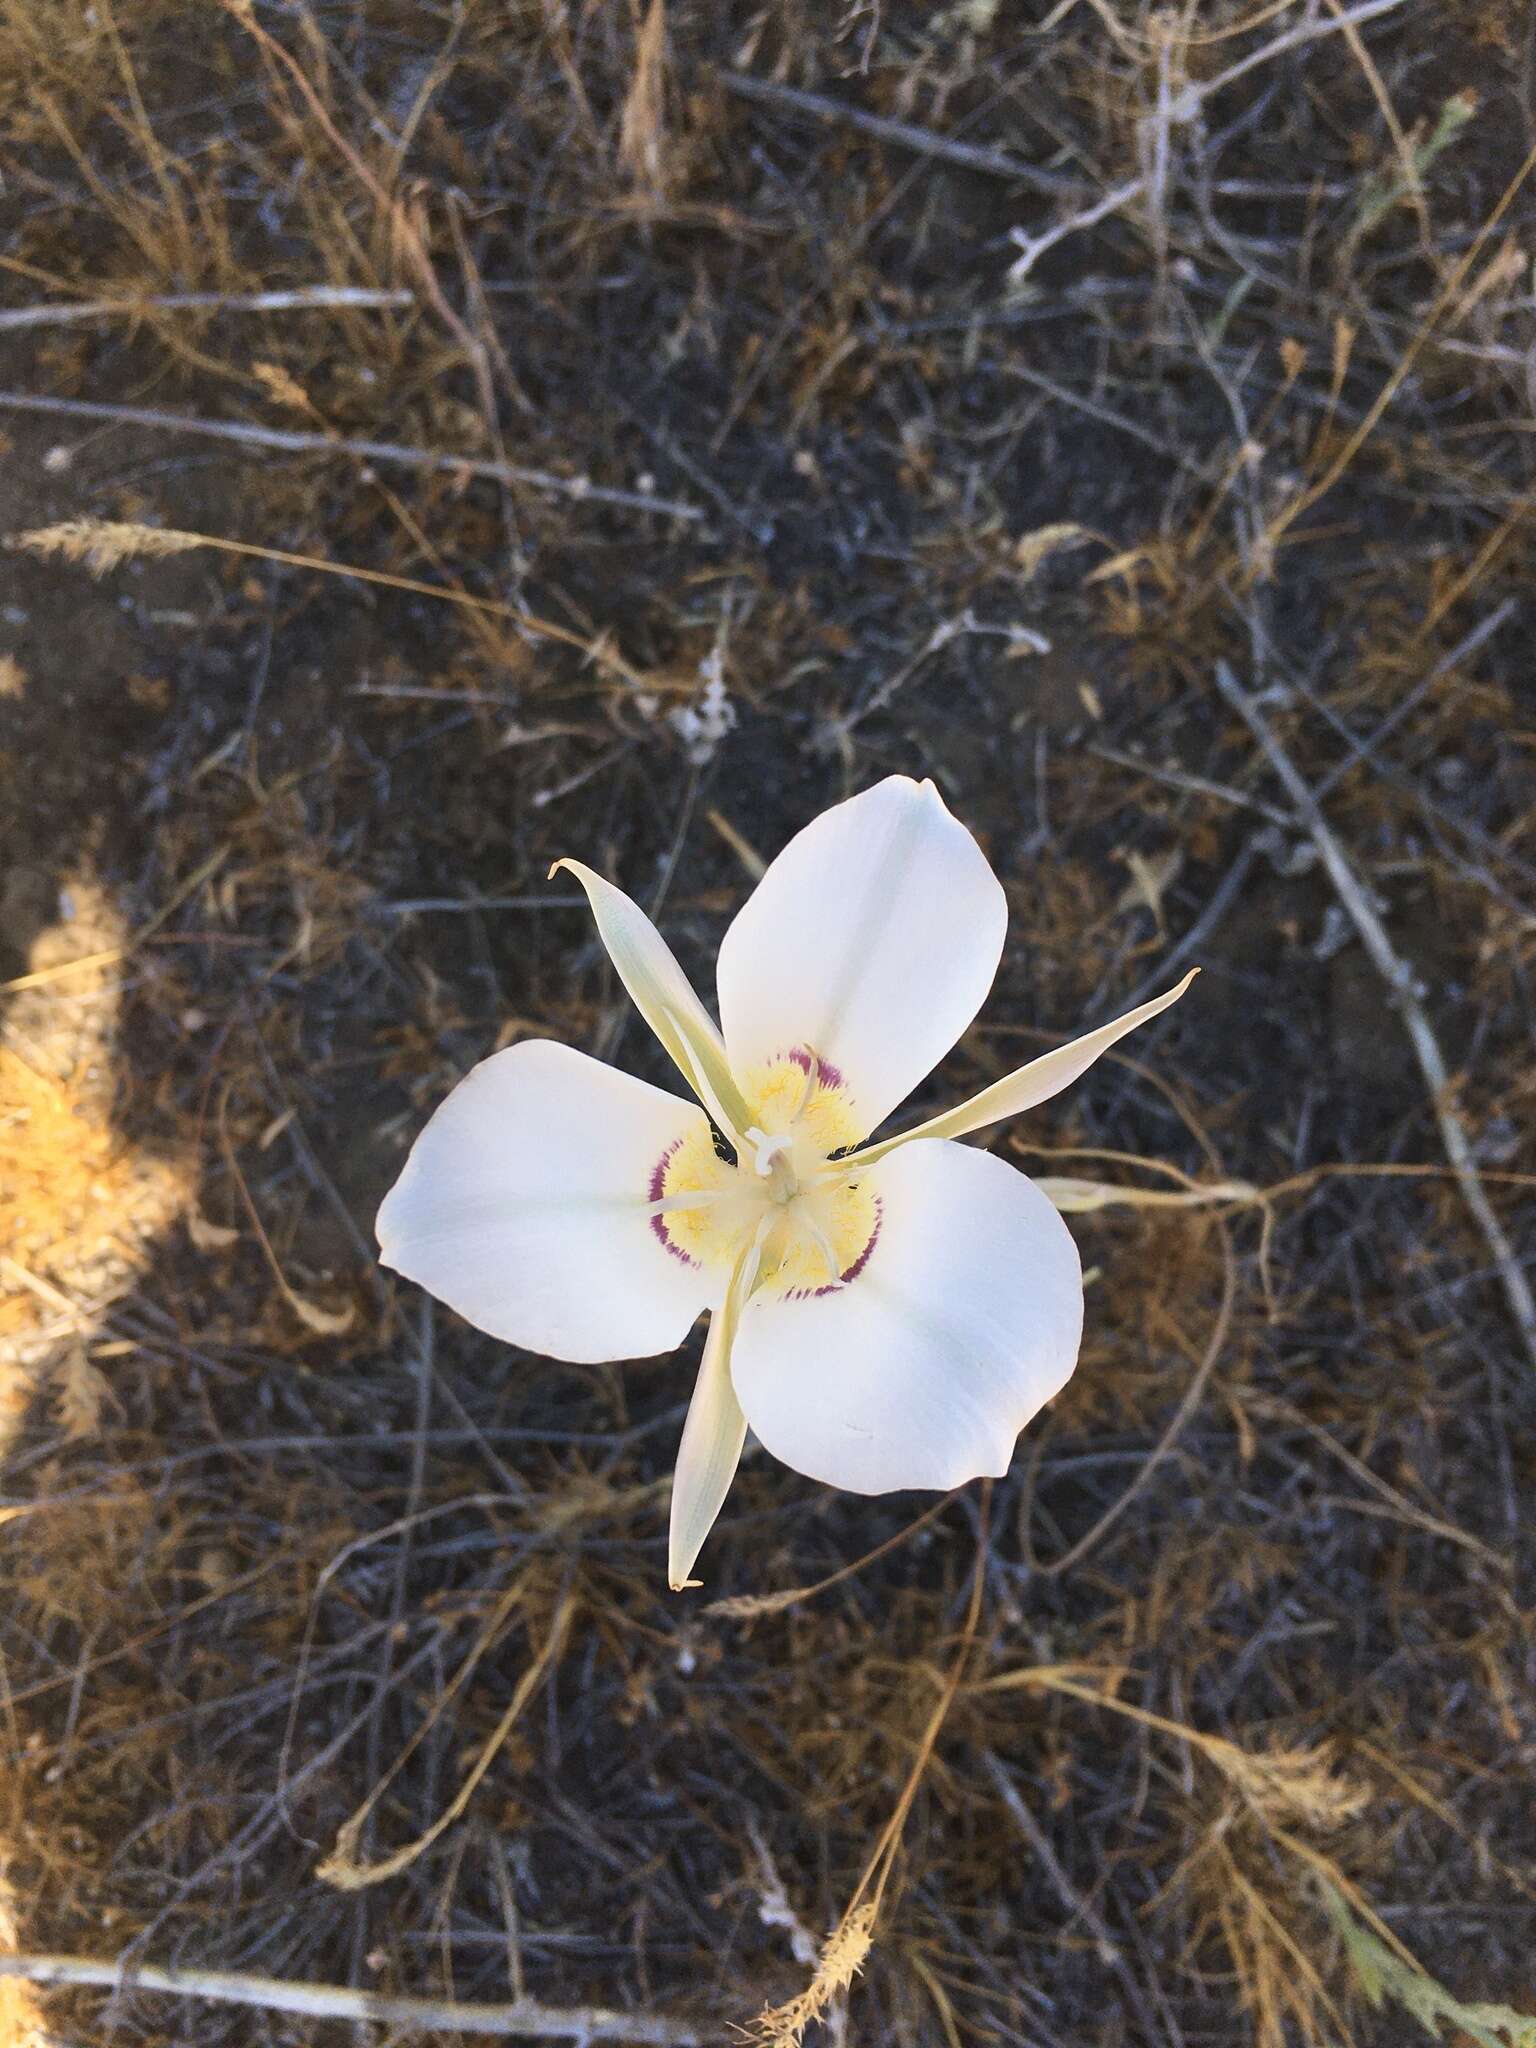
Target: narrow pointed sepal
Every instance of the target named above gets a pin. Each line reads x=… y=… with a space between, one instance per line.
x=708 y=1456
x=1032 y=1084
x=660 y=990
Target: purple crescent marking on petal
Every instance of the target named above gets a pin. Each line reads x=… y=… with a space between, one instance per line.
x=848 y=1273
x=852 y=1272
x=827 y=1076
x=658 y=1189
x=659 y=1170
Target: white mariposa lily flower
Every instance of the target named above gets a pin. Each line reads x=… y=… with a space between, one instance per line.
x=884 y=1314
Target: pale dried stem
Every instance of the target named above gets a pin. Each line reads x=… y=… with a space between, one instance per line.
x=102 y=544
x=523 y=2018
x=296 y=441
x=302 y=298
x=1402 y=983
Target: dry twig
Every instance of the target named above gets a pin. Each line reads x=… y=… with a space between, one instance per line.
x=295 y=441
x=971 y=156
x=523 y=2018
x=1403 y=986
x=302 y=299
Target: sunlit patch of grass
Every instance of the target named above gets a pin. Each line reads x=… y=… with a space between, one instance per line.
x=80 y=1206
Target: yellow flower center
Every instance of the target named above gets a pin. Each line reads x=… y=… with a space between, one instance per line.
x=814 y=1228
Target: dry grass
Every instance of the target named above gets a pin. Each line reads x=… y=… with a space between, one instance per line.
x=501 y=433
x=81 y=1206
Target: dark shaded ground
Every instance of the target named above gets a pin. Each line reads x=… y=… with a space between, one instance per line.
x=254 y=1549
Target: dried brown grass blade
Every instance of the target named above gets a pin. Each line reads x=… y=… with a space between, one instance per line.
x=842 y=1957
x=103 y=544
x=343 y=1867
x=642 y=126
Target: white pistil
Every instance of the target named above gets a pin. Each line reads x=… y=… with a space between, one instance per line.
x=773 y=1161
x=766 y=1151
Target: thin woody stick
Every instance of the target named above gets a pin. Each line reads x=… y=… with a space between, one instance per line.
x=525 y=2018
x=296 y=441
x=1400 y=979
x=300 y=299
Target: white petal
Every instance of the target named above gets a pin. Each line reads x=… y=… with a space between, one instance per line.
x=662 y=993
x=1032 y=1084
x=708 y=1455
x=525 y=1205
x=922 y=1370
x=873 y=939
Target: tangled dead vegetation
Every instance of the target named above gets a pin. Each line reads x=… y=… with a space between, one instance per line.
x=436 y=441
